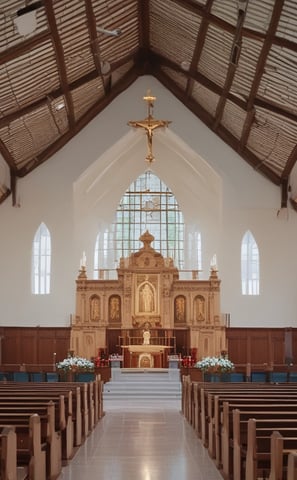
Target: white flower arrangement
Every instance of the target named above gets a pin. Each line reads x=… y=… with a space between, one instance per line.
x=73 y=364
x=215 y=364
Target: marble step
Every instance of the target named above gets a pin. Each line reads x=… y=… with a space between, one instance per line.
x=143 y=384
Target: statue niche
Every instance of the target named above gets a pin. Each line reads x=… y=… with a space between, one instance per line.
x=146 y=298
x=180 y=310
x=94 y=308
x=199 y=308
x=114 y=309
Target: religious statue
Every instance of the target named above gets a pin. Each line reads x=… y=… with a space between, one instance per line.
x=95 y=308
x=146 y=300
x=114 y=309
x=180 y=309
x=199 y=308
x=146 y=336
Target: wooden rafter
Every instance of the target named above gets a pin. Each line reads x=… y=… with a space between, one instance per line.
x=265 y=52
x=95 y=44
x=126 y=81
x=48 y=5
x=258 y=75
x=24 y=47
x=7 y=156
x=234 y=58
x=199 y=46
x=157 y=59
x=146 y=61
x=290 y=163
x=221 y=131
x=143 y=17
x=59 y=92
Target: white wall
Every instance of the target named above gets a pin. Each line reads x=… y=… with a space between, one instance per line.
x=76 y=192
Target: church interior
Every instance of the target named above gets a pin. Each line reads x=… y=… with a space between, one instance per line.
x=83 y=92
x=148 y=212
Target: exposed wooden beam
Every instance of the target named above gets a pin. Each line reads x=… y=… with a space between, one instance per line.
x=24 y=47
x=61 y=65
x=7 y=156
x=126 y=81
x=13 y=187
x=249 y=119
x=290 y=163
x=59 y=92
x=143 y=22
x=156 y=59
x=265 y=52
x=95 y=44
x=222 y=132
x=234 y=58
x=260 y=69
x=199 y=9
x=200 y=40
x=284 y=192
x=5 y=195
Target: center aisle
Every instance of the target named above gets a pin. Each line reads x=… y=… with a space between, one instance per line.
x=141 y=440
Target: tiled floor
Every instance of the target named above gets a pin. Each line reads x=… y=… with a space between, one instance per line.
x=141 y=440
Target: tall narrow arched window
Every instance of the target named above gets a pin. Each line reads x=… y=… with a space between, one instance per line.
x=104 y=256
x=41 y=261
x=250 y=268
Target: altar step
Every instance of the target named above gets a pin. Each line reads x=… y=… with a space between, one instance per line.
x=143 y=383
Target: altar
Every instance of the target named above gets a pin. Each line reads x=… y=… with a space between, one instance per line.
x=148 y=313
x=147 y=356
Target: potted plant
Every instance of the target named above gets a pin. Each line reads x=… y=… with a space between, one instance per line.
x=78 y=368
x=215 y=368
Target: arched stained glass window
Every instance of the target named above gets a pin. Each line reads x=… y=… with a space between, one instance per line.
x=41 y=261
x=148 y=204
x=250 y=268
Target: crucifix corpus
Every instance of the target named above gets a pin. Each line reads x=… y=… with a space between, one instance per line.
x=149 y=124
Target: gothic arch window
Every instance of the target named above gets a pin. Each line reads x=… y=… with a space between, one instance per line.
x=104 y=253
x=41 y=261
x=250 y=265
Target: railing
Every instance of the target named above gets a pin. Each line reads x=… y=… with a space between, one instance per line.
x=164 y=341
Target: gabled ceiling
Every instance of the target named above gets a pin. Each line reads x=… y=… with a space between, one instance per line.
x=233 y=63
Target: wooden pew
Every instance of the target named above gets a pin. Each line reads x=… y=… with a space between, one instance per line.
x=28 y=451
x=263 y=429
x=73 y=410
x=221 y=423
x=63 y=412
x=292 y=466
x=81 y=415
x=8 y=470
x=49 y=435
x=203 y=410
x=268 y=451
x=208 y=410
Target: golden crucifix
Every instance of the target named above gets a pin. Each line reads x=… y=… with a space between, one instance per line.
x=149 y=124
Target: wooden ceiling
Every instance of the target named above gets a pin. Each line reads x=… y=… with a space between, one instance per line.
x=233 y=63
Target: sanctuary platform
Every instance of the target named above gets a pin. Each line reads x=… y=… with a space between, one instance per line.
x=145 y=383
